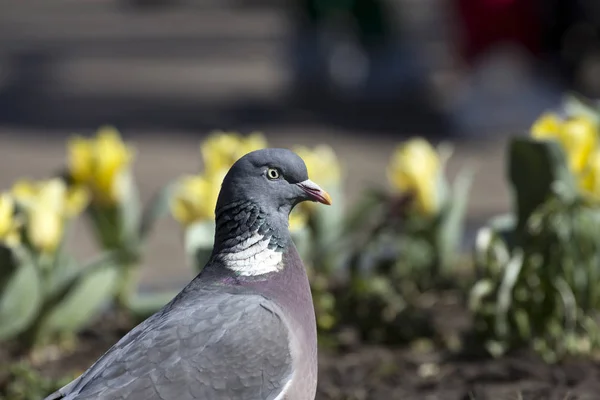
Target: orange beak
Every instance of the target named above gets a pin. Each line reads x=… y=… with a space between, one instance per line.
x=315 y=192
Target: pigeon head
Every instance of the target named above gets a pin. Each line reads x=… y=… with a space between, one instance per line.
x=274 y=179
x=252 y=215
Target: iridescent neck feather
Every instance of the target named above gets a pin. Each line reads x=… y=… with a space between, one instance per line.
x=249 y=241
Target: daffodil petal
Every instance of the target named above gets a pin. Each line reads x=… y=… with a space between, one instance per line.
x=24 y=191
x=578 y=137
x=78 y=197
x=47 y=205
x=7 y=209
x=80 y=159
x=52 y=195
x=195 y=198
x=111 y=157
x=589 y=181
x=546 y=127
x=100 y=163
x=321 y=163
x=222 y=149
x=415 y=168
x=45 y=229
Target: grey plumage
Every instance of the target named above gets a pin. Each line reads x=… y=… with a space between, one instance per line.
x=244 y=328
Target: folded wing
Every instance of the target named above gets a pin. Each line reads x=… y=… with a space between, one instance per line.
x=229 y=346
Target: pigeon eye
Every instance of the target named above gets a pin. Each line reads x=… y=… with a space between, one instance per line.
x=273 y=173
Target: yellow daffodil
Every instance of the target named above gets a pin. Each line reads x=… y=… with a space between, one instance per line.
x=322 y=164
x=547 y=127
x=9 y=225
x=72 y=201
x=101 y=163
x=323 y=167
x=80 y=159
x=195 y=198
x=578 y=136
x=48 y=204
x=76 y=200
x=415 y=168
x=45 y=229
x=222 y=149
x=590 y=179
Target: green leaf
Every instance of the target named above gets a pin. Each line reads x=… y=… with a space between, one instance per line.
x=199 y=241
x=451 y=230
x=20 y=300
x=89 y=291
x=575 y=105
x=143 y=305
x=8 y=265
x=329 y=219
x=117 y=226
x=328 y=226
x=369 y=204
x=63 y=269
x=130 y=214
x=522 y=321
x=106 y=226
x=505 y=292
x=156 y=209
x=504 y=226
x=302 y=240
x=494 y=244
x=445 y=151
x=538 y=169
x=569 y=303
x=480 y=290
x=495 y=348
x=483 y=242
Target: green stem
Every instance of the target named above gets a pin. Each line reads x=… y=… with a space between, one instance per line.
x=126 y=287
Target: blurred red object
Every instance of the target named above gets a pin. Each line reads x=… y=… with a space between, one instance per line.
x=486 y=23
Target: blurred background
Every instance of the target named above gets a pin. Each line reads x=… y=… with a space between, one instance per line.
x=360 y=75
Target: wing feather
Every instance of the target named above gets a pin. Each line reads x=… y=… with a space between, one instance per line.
x=223 y=346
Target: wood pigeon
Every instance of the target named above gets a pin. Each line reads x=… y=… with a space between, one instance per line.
x=244 y=328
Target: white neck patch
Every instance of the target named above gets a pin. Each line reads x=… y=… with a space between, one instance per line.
x=252 y=257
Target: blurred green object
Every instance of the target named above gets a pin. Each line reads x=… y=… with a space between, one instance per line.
x=22 y=382
x=121 y=224
x=537 y=169
x=575 y=104
x=123 y=229
x=398 y=253
x=45 y=295
x=20 y=294
x=321 y=245
x=41 y=302
x=539 y=268
x=199 y=240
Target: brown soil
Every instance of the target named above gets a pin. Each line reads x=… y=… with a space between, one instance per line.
x=381 y=373
x=375 y=372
